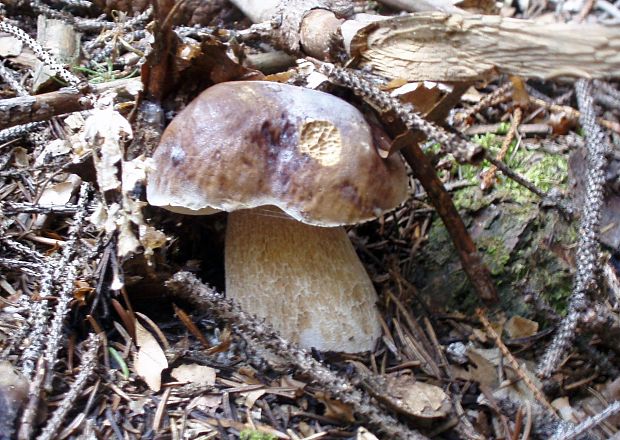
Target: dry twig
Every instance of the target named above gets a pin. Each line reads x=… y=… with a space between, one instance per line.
x=89 y=362
x=488 y=177
x=513 y=362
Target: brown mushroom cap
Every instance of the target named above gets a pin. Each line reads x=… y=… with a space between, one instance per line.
x=252 y=143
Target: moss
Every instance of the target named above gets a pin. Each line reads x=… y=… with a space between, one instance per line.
x=249 y=434
x=545 y=171
x=471 y=199
x=488 y=140
x=525 y=248
x=544 y=259
x=495 y=254
x=503 y=128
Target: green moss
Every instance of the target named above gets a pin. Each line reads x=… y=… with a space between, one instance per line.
x=503 y=128
x=545 y=171
x=249 y=434
x=524 y=247
x=495 y=254
x=471 y=199
x=488 y=140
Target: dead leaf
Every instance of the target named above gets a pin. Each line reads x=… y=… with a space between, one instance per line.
x=150 y=360
x=394 y=84
x=480 y=335
x=207 y=404
x=57 y=194
x=138 y=405
x=417 y=399
x=335 y=409
x=297 y=385
x=423 y=95
x=20 y=157
x=10 y=46
x=252 y=396
x=565 y=409
x=484 y=370
x=199 y=375
x=519 y=327
x=82 y=289
x=54 y=148
x=103 y=133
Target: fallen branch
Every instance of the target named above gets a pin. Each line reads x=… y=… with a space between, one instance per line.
x=588 y=250
x=27 y=109
x=440 y=47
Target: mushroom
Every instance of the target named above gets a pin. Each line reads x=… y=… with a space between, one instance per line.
x=291 y=166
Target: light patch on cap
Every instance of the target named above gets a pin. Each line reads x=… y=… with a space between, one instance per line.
x=321 y=141
x=177 y=155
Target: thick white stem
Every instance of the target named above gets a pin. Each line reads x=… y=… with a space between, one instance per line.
x=306 y=281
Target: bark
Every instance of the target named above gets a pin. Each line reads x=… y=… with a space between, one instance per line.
x=437 y=46
x=440 y=47
x=424 y=5
x=23 y=109
x=62 y=41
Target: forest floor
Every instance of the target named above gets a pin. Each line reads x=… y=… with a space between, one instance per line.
x=499 y=289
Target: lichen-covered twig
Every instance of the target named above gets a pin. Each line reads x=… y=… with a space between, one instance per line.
x=12 y=208
x=57 y=272
x=588 y=250
x=89 y=362
x=27 y=421
x=499 y=95
x=19 y=130
x=187 y=286
x=25 y=267
x=42 y=54
x=607 y=95
x=8 y=77
x=64 y=297
x=38 y=315
x=81 y=24
x=544 y=424
x=571 y=432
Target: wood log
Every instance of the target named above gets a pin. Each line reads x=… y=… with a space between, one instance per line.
x=23 y=109
x=62 y=41
x=441 y=47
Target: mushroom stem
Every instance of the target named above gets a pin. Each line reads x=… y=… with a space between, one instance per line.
x=306 y=281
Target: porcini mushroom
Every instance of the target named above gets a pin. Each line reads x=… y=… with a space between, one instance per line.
x=292 y=166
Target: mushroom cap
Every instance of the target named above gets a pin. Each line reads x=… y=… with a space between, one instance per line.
x=246 y=144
